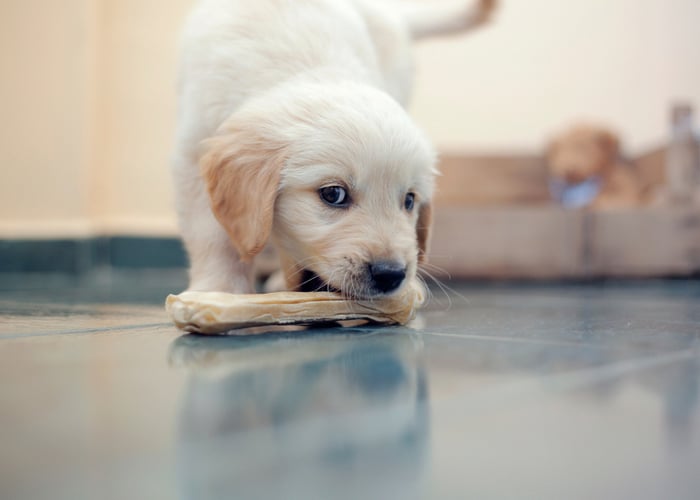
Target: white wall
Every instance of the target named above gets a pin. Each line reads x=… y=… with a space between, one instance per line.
x=137 y=82
x=546 y=63
x=45 y=103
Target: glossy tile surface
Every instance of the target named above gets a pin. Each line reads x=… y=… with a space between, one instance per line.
x=560 y=391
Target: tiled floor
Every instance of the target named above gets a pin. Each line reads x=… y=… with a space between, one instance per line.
x=542 y=392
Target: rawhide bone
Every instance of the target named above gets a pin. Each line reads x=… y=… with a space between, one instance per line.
x=214 y=312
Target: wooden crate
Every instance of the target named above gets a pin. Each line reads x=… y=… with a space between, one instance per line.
x=491 y=180
x=494 y=220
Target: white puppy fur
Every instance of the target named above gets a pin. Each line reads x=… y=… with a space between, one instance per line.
x=291 y=128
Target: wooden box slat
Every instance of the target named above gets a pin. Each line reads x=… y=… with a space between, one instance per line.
x=491 y=180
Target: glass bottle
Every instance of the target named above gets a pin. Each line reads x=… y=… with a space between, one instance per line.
x=682 y=156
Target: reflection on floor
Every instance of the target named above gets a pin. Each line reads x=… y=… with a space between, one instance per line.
x=504 y=391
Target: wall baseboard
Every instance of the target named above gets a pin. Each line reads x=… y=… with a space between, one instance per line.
x=76 y=256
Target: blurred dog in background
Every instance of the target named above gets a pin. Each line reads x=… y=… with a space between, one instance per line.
x=585 y=167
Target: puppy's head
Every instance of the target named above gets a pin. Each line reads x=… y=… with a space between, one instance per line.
x=581 y=153
x=339 y=177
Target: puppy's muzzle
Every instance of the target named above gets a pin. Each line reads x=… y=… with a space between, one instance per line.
x=386 y=276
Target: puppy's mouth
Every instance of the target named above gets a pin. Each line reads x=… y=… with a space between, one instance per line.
x=312 y=282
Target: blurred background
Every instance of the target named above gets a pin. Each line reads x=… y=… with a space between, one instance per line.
x=88 y=100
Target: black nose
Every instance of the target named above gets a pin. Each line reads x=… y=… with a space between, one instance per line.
x=387 y=276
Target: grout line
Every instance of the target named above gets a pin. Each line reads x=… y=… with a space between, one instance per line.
x=521 y=390
x=587 y=376
x=80 y=331
x=506 y=339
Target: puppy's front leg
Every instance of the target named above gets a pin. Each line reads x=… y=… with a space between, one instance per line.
x=214 y=263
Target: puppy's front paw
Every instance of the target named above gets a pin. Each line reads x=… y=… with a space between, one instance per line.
x=275 y=283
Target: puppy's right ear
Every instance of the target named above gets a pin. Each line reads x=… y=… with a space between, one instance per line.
x=242 y=172
x=425 y=221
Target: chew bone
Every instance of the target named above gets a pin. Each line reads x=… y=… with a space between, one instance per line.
x=214 y=312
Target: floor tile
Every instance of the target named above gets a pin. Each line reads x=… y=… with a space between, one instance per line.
x=541 y=391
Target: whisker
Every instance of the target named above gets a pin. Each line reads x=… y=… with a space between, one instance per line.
x=330 y=279
x=344 y=283
x=307 y=281
x=444 y=288
x=439 y=284
x=438 y=269
x=424 y=284
x=301 y=266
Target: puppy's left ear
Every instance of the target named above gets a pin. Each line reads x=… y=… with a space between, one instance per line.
x=425 y=221
x=242 y=173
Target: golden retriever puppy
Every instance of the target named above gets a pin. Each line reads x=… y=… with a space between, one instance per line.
x=291 y=128
x=587 y=158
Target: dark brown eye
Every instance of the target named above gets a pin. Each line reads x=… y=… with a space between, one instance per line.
x=410 y=201
x=335 y=196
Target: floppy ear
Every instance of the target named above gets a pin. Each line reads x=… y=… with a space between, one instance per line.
x=425 y=220
x=242 y=174
x=551 y=148
x=610 y=143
